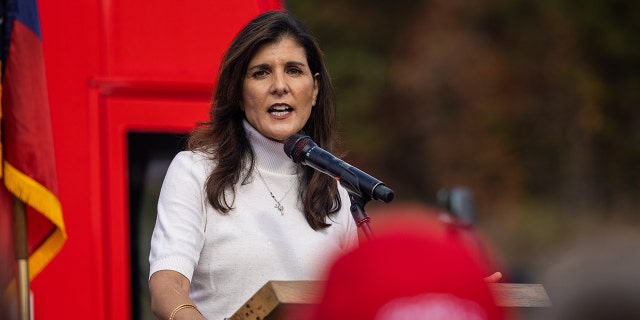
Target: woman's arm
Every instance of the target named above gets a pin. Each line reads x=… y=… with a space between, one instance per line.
x=170 y=290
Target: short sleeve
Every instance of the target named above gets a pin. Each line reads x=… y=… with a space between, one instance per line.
x=178 y=235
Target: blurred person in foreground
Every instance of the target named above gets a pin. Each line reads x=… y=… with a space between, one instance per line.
x=415 y=268
x=234 y=211
x=595 y=277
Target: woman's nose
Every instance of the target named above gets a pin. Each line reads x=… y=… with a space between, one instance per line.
x=280 y=85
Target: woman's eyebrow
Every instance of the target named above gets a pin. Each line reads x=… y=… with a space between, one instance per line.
x=266 y=65
x=296 y=63
x=259 y=66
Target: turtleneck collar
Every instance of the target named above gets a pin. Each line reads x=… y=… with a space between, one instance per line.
x=269 y=154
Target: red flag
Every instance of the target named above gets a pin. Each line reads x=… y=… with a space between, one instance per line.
x=28 y=162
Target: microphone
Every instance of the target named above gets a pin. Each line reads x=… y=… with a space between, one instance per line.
x=301 y=149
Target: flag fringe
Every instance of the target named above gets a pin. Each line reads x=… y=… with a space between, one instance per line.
x=44 y=201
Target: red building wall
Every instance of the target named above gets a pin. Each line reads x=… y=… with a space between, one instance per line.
x=115 y=66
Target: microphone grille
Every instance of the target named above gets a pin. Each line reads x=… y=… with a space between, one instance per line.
x=294 y=146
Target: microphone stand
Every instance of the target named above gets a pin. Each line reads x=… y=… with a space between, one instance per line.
x=359 y=214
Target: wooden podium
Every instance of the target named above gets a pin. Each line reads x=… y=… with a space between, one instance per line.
x=276 y=297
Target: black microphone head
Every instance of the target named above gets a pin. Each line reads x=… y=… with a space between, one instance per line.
x=294 y=146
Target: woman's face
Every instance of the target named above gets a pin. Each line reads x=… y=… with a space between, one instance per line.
x=279 y=90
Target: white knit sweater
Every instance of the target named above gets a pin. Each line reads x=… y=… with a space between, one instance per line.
x=228 y=257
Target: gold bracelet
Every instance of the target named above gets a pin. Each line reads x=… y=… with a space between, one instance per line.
x=180 y=307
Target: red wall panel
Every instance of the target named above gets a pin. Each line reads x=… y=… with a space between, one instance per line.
x=164 y=40
x=119 y=116
x=70 y=45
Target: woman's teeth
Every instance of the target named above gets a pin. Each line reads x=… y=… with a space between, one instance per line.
x=280 y=110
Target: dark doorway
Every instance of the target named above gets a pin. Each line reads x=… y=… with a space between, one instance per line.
x=149 y=157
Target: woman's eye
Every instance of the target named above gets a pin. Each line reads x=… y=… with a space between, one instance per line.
x=294 y=71
x=259 y=74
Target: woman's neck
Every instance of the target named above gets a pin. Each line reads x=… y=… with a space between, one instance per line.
x=269 y=154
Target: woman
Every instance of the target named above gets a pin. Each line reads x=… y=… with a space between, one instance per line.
x=234 y=211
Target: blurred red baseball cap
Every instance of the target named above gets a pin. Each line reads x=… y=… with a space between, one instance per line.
x=412 y=269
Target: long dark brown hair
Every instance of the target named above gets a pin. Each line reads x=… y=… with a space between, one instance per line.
x=224 y=138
